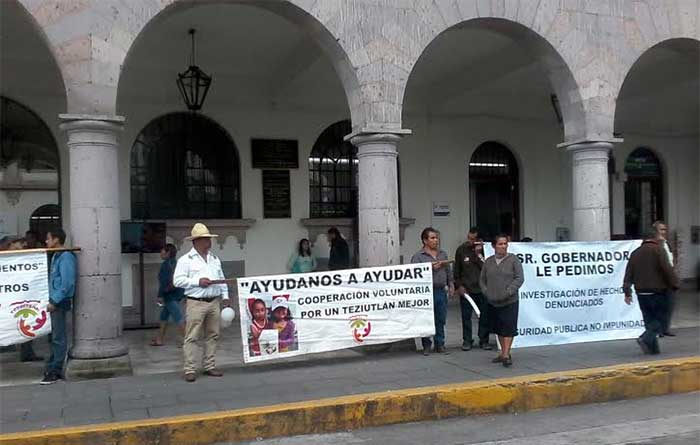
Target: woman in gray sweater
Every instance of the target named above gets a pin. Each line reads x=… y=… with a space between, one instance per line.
x=501 y=277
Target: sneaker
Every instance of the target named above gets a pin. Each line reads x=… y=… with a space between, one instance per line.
x=466 y=346
x=50 y=378
x=486 y=346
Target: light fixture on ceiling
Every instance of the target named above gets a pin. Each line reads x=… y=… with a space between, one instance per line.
x=194 y=83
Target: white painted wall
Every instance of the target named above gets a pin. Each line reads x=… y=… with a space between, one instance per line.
x=28 y=202
x=679 y=157
x=434 y=167
x=270 y=242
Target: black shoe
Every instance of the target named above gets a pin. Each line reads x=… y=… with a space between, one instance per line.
x=643 y=346
x=441 y=350
x=668 y=334
x=507 y=362
x=486 y=346
x=50 y=378
x=33 y=358
x=426 y=351
x=466 y=346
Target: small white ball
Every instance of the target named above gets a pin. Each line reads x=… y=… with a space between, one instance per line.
x=227 y=316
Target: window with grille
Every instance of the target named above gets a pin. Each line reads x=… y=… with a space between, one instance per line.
x=184 y=166
x=333 y=174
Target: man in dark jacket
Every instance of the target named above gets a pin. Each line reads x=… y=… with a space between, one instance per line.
x=340 y=252
x=469 y=260
x=653 y=278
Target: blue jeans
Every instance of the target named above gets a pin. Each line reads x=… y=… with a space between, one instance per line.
x=440 y=314
x=171 y=308
x=58 y=340
x=654 y=309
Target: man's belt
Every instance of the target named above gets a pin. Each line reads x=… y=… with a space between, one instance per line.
x=207 y=299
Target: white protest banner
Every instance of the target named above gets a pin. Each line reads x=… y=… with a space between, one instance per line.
x=573 y=293
x=288 y=315
x=24 y=295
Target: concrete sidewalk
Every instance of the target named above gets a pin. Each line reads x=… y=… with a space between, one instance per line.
x=34 y=407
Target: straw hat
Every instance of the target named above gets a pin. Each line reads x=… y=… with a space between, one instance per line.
x=199 y=230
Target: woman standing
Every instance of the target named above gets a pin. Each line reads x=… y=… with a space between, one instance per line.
x=169 y=296
x=302 y=260
x=501 y=277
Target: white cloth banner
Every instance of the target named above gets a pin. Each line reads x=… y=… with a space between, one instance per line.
x=24 y=295
x=289 y=315
x=573 y=293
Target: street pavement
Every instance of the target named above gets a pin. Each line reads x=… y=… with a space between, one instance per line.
x=665 y=420
x=157 y=389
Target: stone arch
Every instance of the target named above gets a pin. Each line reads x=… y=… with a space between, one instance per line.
x=677 y=48
x=534 y=33
x=305 y=20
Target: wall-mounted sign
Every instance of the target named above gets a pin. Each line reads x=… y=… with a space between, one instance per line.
x=441 y=209
x=277 y=196
x=275 y=153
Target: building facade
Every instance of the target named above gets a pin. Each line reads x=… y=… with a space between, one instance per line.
x=556 y=120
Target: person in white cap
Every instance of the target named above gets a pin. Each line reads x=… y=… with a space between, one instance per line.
x=194 y=273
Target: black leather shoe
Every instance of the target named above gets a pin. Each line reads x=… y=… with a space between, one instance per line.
x=498 y=359
x=668 y=334
x=441 y=350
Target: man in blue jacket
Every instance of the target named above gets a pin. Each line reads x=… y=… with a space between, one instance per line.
x=62 y=277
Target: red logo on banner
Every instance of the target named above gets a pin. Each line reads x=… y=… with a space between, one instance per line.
x=30 y=317
x=361 y=328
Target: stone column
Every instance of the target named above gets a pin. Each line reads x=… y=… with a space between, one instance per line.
x=98 y=349
x=591 y=201
x=378 y=211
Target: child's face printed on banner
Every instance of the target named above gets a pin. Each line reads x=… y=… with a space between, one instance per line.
x=280 y=313
x=259 y=311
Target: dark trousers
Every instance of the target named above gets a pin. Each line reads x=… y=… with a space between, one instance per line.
x=440 y=314
x=467 y=310
x=26 y=351
x=59 y=341
x=653 y=308
x=670 y=304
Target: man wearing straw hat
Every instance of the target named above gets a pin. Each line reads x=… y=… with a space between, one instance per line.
x=199 y=273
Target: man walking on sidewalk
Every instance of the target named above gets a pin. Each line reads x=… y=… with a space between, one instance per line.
x=194 y=273
x=661 y=230
x=431 y=253
x=651 y=274
x=62 y=277
x=469 y=260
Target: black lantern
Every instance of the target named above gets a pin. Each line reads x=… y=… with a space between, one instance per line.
x=193 y=83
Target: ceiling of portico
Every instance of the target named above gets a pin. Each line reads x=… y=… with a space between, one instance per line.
x=661 y=93
x=471 y=71
x=257 y=59
x=28 y=71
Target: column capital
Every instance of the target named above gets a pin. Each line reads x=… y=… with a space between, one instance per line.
x=70 y=122
x=376 y=144
x=589 y=144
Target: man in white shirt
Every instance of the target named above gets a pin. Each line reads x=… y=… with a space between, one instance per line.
x=661 y=235
x=198 y=273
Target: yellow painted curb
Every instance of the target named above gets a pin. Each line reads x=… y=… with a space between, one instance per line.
x=352 y=412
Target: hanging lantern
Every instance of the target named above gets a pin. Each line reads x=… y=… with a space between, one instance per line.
x=193 y=83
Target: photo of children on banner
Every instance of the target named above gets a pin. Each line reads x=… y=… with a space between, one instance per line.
x=274 y=331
